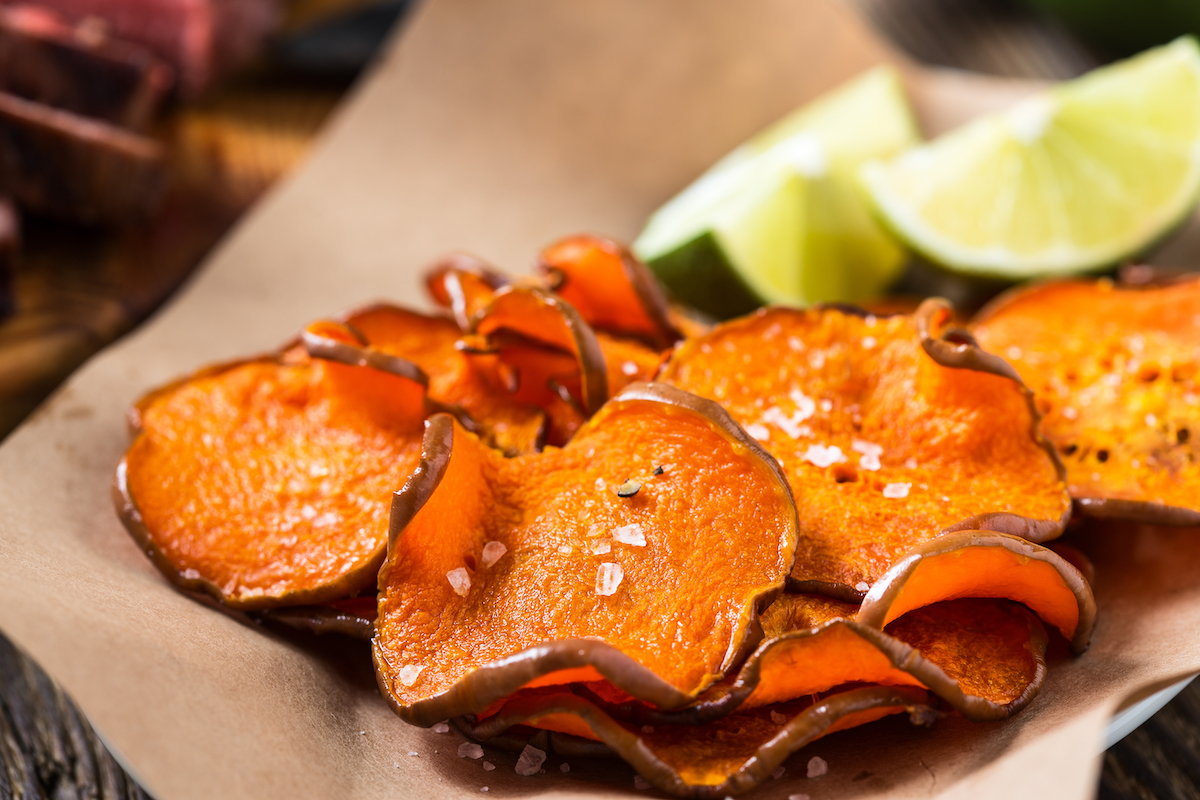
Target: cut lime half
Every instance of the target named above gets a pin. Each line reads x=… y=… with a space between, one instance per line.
x=1078 y=178
x=781 y=219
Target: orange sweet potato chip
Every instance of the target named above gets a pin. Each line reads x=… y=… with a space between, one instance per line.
x=891 y=430
x=610 y=288
x=625 y=556
x=1114 y=369
x=475 y=385
x=725 y=757
x=537 y=316
x=464 y=285
x=267 y=483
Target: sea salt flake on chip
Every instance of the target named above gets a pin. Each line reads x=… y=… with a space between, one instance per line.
x=823 y=456
x=441 y=727
x=759 y=432
x=488 y=766
x=600 y=548
x=564 y=767
x=778 y=718
x=630 y=534
x=805 y=405
x=817 y=767
x=409 y=673
x=493 y=552
x=896 y=491
x=460 y=581
x=608 y=578
x=778 y=773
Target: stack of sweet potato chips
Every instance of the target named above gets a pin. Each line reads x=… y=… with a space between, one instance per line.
x=571 y=518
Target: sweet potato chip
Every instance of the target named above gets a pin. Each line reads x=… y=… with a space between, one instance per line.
x=267 y=483
x=610 y=288
x=892 y=431
x=983 y=657
x=1114 y=369
x=628 y=361
x=725 y=757
x=986 y=564
x=464 y=285
x=473 y=384
x=640 y=553
x=541 y=317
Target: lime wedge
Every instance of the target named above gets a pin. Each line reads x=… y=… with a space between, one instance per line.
x=781 y=219
x=1079 y=178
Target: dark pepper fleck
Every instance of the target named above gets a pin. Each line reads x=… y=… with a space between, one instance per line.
x=659 y=470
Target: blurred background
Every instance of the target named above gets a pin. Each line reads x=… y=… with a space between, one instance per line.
x=135 y=133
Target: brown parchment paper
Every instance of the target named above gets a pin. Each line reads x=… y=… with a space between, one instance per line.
x=494 y=128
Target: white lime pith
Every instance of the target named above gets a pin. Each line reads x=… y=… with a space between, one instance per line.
x=781 y=219
x=1079 y=178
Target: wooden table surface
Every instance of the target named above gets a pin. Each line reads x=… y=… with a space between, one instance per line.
x=79 y=290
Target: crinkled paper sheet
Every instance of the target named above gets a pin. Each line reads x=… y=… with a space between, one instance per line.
x=494 y=128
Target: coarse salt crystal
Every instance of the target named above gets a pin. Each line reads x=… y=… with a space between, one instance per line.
x=484 y=789
x=470 y=750
x=629 y=369
x=566 y=549
x=826 y=405
x=870 y=454
x=778 y=773
x=910 y=463
x=797 y=344
x=778 y=718
x=805 y=405
x=869 y=342
x=608 y=578
x=1151 y=420
x=493 y=552
x=862 y=586
x=896 y=491
x=817 y=767
x=600 y=484
x=602 y=547
x=412 y=752
x=790 y=425
x=460 y=581
x=1112 y=379
x=1069 y=413
x=408 y=674
x=1136 y=464
x=488 y=766
x=824 y=456
x=817 y=359
x=530 y=760
x=759 y=432
x=630 y=534
x=441 y=727
x=640 y=783
x=1014 y=353
x=564 y=767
